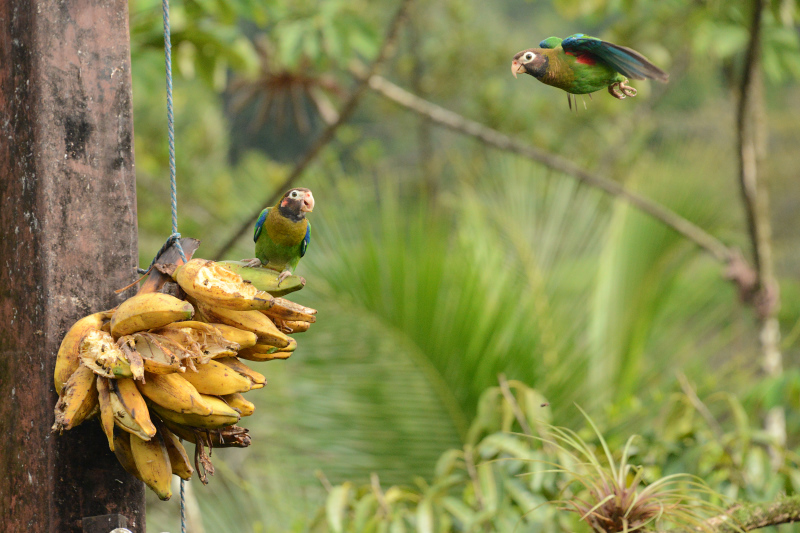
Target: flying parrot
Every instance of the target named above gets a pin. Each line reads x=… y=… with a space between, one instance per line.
x=282 y=233
x=581 y=64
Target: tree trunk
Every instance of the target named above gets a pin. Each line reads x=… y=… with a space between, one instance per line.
x=67 y=240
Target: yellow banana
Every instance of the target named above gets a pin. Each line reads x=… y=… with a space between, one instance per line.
x=122 y=449
x=221 y=415
x=284 y=309
x=152 y=463
x=156 y=356
x=257 y=380
x=78 y=400
x=217 y=378
x=245 y=339
x=106 y=410
x=99 y=352
x=292 y=326
x=217 y=285
x=265 y=279
x=68 y=358
x=254 y=321
x=178 y=458
x=173 y=392
x=238 y=402
x=203 y=341
x=147 y=311
x=257 y=353
x=130 y=409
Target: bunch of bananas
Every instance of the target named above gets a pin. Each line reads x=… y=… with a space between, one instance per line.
x=160 y=368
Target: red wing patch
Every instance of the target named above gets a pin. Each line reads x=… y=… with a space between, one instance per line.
x=585 y=59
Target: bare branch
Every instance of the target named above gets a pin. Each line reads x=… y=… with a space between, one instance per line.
x=328 y=134
x=750 y=517
x=457 y=123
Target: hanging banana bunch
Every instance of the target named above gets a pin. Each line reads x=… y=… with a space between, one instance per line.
x=159 y=369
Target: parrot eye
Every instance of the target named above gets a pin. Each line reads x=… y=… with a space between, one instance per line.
x=528 y=56
x=293 y=194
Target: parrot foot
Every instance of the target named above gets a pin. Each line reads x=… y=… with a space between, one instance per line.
x=282 y=276
x=252 y=263
x=621 y=90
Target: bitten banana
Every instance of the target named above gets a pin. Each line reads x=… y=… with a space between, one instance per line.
x=254 y=321
x=78 y=400
x=202 y=340
x=217 y=378
x=283 y=309
x=218 y=286
x=152 y=464
x=130 y=409
x=147 y=311
x=265 y=279
x=156 y=356
x=99 y=352
x=68 y=358
x=173 y=392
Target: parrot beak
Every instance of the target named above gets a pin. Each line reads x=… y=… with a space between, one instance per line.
x=308 y=203
x=516 y=68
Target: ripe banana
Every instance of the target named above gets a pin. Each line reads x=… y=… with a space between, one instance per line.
x=147 y=311
x=130 y=409
x=254 y=321
x=238 y=402
x=173 y=392
x=106 y=409
x=292 y=326
x=99 y=352
x=152 y=463
x=217 y=285
x=257 y=353
x=257 y=380
x=221 y=415
x=284 y=309
x=265 y=279
x=78 y=400
x=217 y=378
x=122 y=449
x=245 y=339
x=68 y=358
x=178 y=458
x=157 y=357
x=203 y=341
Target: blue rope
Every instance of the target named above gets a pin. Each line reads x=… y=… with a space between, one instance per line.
x=173 y=188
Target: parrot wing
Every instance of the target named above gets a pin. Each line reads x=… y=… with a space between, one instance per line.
x=306 y=240
x=260 y=223
x=627 y=62
x=550 y=42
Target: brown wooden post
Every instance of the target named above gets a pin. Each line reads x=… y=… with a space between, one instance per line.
x=67 y=240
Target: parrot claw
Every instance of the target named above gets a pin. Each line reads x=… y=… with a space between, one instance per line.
x=282 y=276
x=621 y=90
x=252 y=263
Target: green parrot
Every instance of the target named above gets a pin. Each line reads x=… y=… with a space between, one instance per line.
x=581 y=64
x=282 y=233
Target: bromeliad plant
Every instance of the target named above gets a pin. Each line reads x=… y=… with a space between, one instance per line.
x=613 y=496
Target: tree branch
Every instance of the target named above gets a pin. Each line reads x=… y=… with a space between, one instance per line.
x=459 y=124
x=328 y=134
x=750 y=517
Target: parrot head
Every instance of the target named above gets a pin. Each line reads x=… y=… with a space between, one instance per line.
x=529 y=62
x=296 y=203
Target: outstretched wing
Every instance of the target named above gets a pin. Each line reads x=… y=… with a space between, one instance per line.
x=306 y=240
x=627 y=62
x=260 y=223
x=550 y=42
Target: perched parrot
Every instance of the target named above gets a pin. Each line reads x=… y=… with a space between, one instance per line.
x=581 y=64
x=282 y=233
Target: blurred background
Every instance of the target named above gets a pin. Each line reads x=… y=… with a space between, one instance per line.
x=439 y=263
